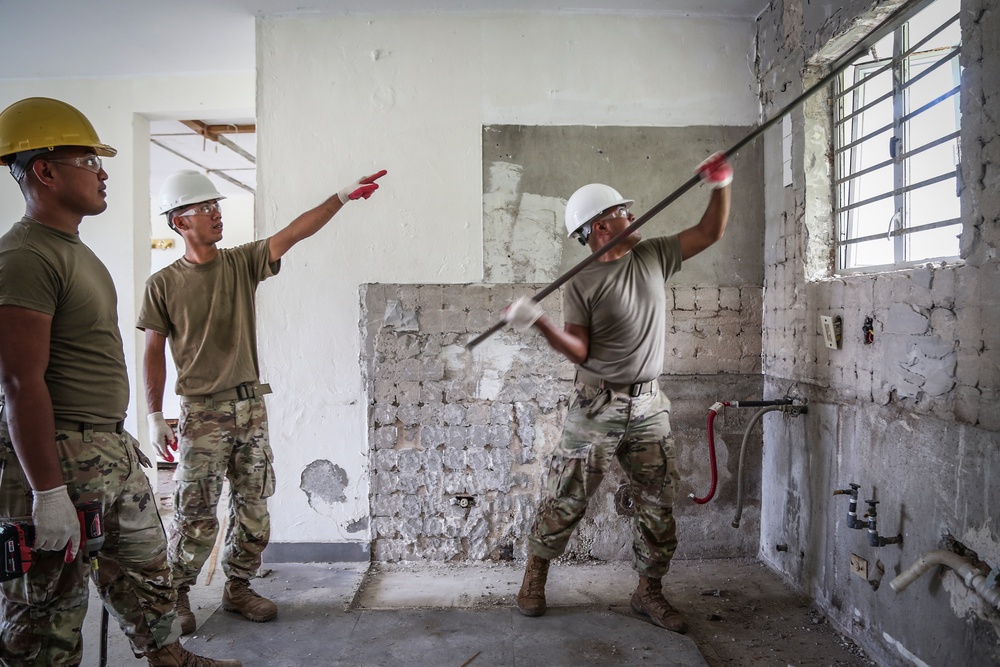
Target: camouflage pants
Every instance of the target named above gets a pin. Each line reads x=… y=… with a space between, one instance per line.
x=601 y=424
x=41 y=613
x=221 y=440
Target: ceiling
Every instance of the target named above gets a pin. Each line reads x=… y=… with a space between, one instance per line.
x=99 y=38
x=130 y=38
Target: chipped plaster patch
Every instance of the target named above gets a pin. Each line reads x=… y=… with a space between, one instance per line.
x=358 y=526
x=491 y=362
x=324 y=484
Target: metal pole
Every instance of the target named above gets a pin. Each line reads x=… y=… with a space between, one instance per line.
x=104 y=636
x=874 y=35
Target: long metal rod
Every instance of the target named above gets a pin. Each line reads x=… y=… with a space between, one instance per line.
x=844 y=62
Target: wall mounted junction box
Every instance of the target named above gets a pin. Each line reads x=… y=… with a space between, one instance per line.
x=859 y=566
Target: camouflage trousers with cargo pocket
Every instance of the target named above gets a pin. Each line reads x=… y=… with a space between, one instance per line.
x=41 y=613
x=217 y=441
x=602 y=424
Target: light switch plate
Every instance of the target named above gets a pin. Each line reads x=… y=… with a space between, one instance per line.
x=831 y=326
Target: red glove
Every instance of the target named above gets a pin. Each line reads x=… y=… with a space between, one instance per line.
x=361 y=189
x=716 y=171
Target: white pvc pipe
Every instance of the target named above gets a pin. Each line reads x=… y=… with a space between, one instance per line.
x=972 y=576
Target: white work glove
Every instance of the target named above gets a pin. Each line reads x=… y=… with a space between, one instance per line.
x=524 y=312
x=362 y=188
x=56 y=522
x=716 y=171
x=162 y=435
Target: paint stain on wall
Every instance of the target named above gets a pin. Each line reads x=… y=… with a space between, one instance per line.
x=358 y=526
x=324 y=483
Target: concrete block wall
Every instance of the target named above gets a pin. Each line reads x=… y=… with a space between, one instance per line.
x=913 y=417
x=446 y=422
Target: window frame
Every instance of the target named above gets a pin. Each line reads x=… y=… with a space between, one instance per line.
x=848 y=108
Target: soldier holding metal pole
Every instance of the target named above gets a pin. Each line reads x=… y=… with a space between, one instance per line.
x=615 y=334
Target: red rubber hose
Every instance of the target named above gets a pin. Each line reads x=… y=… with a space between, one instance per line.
x=711 y=456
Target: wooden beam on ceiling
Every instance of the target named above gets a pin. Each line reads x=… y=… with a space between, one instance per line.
x=216 y=133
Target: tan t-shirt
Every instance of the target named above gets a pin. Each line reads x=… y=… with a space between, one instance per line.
x=622 y=304
x=55 y=273
x=207 y=312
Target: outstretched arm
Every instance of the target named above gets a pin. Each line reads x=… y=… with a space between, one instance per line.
x=718 y=173
x=314 y=219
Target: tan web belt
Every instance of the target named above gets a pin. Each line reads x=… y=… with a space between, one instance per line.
x=633 y=390
x=241 y=392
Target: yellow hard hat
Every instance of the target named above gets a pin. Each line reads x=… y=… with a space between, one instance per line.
x=43 y=123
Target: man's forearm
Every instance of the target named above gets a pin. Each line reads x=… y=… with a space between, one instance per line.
x=716 y=216
x=303 y=227
x=155 y=367
x=28 y=409
x=562 y=341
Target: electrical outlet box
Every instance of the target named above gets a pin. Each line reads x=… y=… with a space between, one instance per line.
x=859 y=566
x=832 y=330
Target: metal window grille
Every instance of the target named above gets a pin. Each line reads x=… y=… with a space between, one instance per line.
x=896 y=145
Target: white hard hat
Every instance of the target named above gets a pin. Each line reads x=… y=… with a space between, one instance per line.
x=589 y=202
x=186 y=187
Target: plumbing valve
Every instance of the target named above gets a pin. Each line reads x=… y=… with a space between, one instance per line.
x=852 y=509
x=873 y=537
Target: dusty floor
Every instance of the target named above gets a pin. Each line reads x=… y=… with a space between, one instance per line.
x=741 y=615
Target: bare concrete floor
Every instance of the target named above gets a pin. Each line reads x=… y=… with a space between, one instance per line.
x=741 y=615
x=427 y=614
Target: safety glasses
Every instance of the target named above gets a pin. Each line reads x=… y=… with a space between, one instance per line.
x=620 y=212
x=88 y=162
x=202 y=209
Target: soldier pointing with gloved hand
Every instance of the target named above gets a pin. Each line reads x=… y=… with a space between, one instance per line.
x=614 y=311
x=62 y=369
x=204 y=304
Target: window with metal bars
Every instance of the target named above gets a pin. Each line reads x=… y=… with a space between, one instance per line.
x=896 y=145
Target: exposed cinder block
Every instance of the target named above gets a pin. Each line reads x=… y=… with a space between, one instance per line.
x=684 y=298
x=729 y=298
x=905 y=319
x=707 y=299
x=409 y=414
x=445 y=440
x=385 y=437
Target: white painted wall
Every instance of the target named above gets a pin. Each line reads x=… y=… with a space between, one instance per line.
x=344 y=96
x=119 y=109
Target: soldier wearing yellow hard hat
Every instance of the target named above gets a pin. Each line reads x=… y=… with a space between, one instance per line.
x=65 y=393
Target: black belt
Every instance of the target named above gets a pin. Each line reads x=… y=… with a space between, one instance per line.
x=633 y=390
x=241 y=392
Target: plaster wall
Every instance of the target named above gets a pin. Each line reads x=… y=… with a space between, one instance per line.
x=344 y=96
x=120 y=109
x=912 y=418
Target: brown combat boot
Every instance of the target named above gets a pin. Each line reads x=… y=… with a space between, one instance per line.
x=239 y=597
x=531 y=597
x=648 y=600
x=175 y=655
x=183 y=609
